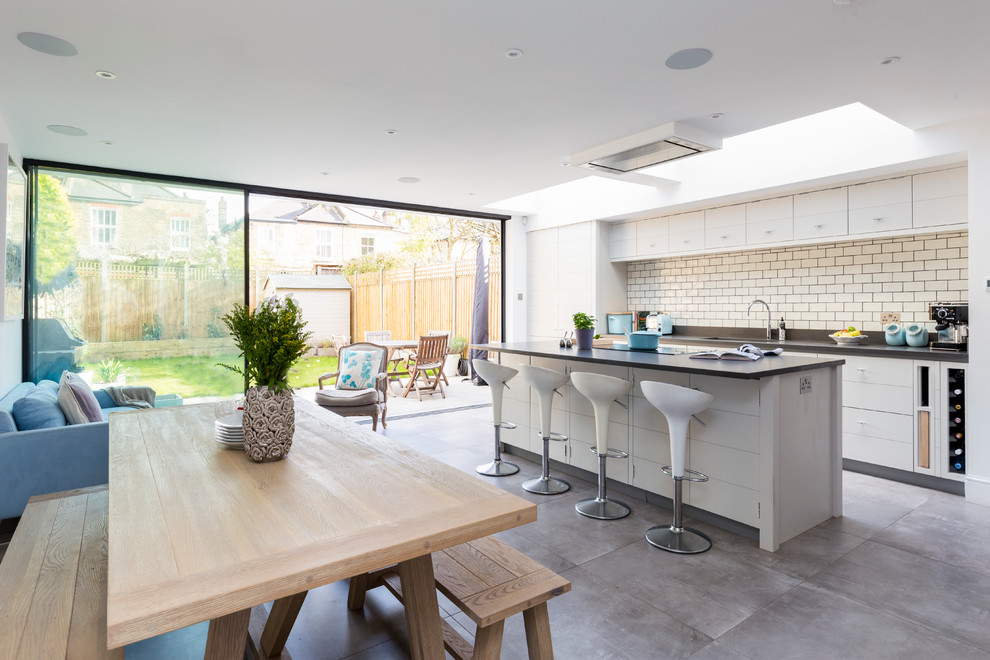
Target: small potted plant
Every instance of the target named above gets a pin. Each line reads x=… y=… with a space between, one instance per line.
x=584 y=327
x=271 y=338
x=456 y=347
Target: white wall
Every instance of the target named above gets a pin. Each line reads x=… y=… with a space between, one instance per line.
x=10 y=331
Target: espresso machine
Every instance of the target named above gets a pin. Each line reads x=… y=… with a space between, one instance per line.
x=952 y=324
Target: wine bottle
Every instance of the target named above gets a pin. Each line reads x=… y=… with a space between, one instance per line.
x=958 y=406
x=957 y=391
x=959 y=436
x=958 y=451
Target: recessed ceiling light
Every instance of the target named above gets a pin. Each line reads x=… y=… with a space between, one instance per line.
x=106 y=75
x=106 y=142
x=689 y=58
x=513 y=53
x=45 y=43
x=717 y=115
x=890 y=60
x=66 y=130
x=408 y=179
x=843 y=3
x=325 y=173
x=391 y=131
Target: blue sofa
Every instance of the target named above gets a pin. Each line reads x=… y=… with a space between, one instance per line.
x=48 y=460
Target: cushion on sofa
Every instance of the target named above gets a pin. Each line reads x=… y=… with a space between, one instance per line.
x=49 y=385
x=104 y=399
x=77 y=400
x=38 y=410
x=20 y=391
x=7 y=424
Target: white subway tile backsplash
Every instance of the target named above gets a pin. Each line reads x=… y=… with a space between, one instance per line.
x=816 y=287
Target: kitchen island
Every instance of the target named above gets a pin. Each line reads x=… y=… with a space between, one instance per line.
x=771 y=442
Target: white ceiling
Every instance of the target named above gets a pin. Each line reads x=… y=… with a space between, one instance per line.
x=275 y=93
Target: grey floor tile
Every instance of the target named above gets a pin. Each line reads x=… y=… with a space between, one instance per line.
x=718 y=651
x=595 y=620
x=801 y=557
x=956 y=602
x=937 y=536
x=711 y=592
x=574 y=537
x=811 y=622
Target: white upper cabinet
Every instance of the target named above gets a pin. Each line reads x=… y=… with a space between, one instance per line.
x=909 y=204
x=622 y=240
x=725 y=227
x=651 y=237
x=880 y=206
x=940 y=198
x=770 y=220
x=821 y=214
x=687 y=232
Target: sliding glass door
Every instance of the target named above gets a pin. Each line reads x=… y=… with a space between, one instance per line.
x=129 y=279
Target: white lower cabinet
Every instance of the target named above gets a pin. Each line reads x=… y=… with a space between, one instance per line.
x=877 y=411
x=895 y=414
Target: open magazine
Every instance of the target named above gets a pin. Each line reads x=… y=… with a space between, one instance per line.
x=746 y=352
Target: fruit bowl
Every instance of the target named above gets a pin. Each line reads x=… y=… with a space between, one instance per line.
x=843 y=339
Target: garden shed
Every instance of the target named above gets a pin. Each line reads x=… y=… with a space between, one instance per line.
x=325 y=301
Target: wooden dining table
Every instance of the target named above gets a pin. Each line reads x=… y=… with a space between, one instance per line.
x=197 y=531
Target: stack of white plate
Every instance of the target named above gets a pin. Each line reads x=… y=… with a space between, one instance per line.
x=230 y=430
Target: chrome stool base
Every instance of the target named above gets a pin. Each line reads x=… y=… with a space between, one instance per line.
x=602 y=509
x=684 y=542
x=497 y=468
x=546 y=486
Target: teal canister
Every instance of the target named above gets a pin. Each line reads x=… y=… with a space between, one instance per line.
x=917 y=334
x=895 y=334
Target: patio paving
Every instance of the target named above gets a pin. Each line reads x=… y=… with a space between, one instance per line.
x=460 y=394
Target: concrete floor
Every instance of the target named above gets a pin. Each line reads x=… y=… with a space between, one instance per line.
x=904 y=574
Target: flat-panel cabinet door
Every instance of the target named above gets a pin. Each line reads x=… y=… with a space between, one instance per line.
x=880 y=206
x=622 y=240
x=725 y=226
x=687 y=232
x=651 y=237
x=940 y=198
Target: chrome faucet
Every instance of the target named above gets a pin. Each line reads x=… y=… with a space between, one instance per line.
x=769 y=322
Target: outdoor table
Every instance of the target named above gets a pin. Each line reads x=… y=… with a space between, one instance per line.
x=394 y=345
x=199 y=532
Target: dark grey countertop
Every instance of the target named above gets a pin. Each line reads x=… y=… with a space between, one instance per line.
x=873 y=347
x=768 y=366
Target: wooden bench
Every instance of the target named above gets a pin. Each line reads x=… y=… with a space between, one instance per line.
x=53 y=578
x=488 y=580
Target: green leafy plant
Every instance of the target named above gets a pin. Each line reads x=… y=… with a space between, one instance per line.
x=271 y=338
x=109 y=369
x=583 y=322
x=152 y=331
x=214 y=328
x=456 y=345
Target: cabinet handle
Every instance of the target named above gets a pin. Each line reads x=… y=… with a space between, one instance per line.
x=878 y=219
x=819 y=226
x=687 y=240
x=724 y=236
x=768 y=231
x=860 y=421
x=860 y=368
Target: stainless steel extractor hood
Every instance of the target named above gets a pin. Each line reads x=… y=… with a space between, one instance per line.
x=652 y=147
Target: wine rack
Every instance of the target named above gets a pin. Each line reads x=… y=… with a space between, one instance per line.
x=956 y=420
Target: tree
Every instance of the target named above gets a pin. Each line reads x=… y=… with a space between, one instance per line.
x=370 y=263
x=447 y=238
x=54 y=237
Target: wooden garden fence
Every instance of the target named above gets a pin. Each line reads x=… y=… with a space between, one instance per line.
x=410 y=302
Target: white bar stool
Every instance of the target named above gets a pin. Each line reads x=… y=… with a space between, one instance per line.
x=496 y=376
x=602 y=391
x=678 y=405
x=545 y=383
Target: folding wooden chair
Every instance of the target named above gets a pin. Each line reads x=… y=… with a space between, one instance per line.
x=428 y=367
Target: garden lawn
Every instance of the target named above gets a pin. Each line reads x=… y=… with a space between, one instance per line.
x=194 y=377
